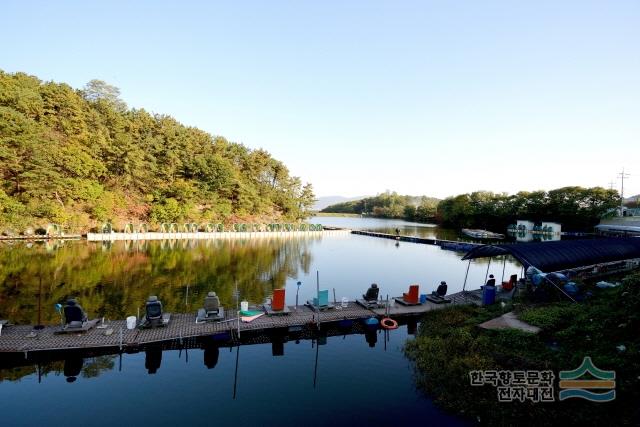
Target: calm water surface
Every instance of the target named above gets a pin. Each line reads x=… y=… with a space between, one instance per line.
x=352 y=378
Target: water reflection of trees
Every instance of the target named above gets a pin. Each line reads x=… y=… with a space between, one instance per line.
x=73 y=366
x=114 y=279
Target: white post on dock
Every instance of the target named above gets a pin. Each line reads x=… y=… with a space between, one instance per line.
x=186 y=297
x=387 y=308
x=297 y=291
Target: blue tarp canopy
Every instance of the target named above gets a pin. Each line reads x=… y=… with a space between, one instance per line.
x=563 y=254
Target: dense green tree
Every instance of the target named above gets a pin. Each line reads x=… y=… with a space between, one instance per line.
x=390 y=205
x=576 y=208
x=80 y=157
x=99 y=89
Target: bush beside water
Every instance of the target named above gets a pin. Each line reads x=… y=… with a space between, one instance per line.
x=450 y=344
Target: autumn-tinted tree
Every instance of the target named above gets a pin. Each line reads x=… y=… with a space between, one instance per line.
x=80 y=157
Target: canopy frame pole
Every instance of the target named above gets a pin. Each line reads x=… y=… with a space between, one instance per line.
x=487 y=273
x=464 y=286
x=504 y=264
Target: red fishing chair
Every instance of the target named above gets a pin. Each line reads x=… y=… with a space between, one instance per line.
x=277 y=302
x=413 y=296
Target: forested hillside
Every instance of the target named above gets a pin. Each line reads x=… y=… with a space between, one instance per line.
x=576 y=208
x=390 y=205
x=81 y=158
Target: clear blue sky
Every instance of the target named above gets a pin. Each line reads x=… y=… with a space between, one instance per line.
x=425 y=97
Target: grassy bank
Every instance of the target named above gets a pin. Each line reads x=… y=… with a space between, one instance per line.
x=450 y=344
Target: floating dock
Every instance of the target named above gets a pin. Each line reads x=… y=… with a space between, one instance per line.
x=444 y=244
x=202 y=235
x=115 y=335
x=36 y=237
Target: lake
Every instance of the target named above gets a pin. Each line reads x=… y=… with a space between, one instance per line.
x=356 y=379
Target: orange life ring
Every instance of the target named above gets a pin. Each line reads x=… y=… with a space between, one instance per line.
x=389 y=323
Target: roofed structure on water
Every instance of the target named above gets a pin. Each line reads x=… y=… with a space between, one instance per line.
x=563 y=254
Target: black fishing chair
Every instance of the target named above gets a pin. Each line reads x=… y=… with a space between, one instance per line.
x=211 y=304
x=153 y=309
x=438 y=296
x=442 y=290
x=211 y=311
x=74 y=315
x=372 y=293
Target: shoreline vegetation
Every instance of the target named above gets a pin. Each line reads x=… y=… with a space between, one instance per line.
x=81 y=158
x=576 y=208
x=450 y=344
x=389 y=205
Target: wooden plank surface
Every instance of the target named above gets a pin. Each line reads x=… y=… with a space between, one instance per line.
x=24 y=338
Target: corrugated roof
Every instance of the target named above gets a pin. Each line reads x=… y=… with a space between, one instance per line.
x=563 y=254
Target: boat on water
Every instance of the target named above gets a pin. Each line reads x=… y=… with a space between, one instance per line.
x=481 y=234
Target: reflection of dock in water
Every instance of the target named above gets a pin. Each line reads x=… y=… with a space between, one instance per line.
x=73 y=364
x=24 y=339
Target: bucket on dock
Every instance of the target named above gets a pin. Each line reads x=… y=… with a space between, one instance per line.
x=131 y=322
x=244 y=306
x=371 y=322
x=423 y=298
x=488 y=295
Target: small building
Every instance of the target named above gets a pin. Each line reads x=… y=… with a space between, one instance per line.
x=523 y=225
x=551 y=227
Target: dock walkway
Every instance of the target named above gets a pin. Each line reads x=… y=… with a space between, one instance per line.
x=445 y=244
x=202 y=235
x=24 y=338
